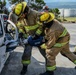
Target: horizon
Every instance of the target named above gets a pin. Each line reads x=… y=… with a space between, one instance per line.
x=60 y=1
x=56 y=2
x=60 y=5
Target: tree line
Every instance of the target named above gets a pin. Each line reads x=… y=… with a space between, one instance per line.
x=34 y=4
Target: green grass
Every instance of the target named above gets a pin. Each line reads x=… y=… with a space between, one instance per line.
x=68 y=19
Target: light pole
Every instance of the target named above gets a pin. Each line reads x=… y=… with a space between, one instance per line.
x=63 y=14
x=29 y=2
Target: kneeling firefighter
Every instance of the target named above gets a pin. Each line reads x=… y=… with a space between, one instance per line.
x=57 y=40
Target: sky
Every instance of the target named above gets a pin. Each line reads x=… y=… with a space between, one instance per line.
x=56 y=0
x=46 y=1
x=60 y=0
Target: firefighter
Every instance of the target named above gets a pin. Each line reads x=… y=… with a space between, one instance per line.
x=45 y=9
x=57 y=40
x=27 y=25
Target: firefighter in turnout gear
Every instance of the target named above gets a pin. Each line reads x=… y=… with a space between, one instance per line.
x=75 y=51
x=57 y=40
x=27 y=25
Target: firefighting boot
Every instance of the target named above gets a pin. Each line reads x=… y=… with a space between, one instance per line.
x=24 y=70
x=48 y=73
x=75 y=67
x=74 y=53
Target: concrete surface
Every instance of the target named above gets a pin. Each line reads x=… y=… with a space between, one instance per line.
x=64 y=66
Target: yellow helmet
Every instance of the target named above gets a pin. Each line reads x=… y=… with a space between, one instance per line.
x=47 y=17
x=19 y=8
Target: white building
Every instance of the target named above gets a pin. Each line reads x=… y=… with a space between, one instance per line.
x=68 y=12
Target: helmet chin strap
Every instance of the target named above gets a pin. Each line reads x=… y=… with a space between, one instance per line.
x=26 y=16
x=48 y=25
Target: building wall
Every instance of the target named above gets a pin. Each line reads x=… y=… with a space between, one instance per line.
x=68 y=12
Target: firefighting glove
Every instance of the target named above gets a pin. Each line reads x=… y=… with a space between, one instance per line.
x=35 y=41
x=43 y=46
x=25 y=41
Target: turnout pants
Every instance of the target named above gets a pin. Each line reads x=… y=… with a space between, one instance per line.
x=53 y=52
x=49 y=55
